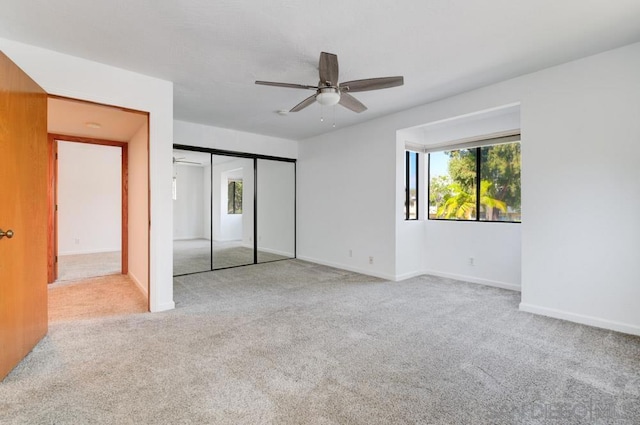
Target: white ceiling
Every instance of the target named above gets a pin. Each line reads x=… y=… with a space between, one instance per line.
x=214 y=50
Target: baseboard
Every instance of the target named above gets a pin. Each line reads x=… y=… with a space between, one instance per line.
x=472 y=279
x=409 y=275
x=582 y=319
x=397 y=278
x=140 y=286
x=275 y=251
x=97 y=251
x=164 y=307
x=348 y=268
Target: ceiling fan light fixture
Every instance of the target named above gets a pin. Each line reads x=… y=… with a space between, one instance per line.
x=329 y=92
x=328 y=97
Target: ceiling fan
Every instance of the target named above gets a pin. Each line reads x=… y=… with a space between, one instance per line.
x=329 y=92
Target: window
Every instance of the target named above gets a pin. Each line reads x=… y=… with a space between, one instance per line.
x=454 y=192
x=411 y=186
x=234 y=197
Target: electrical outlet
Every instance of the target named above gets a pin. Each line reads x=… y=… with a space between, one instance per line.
x=472 y=261
x=350 y=253
x=370 y=260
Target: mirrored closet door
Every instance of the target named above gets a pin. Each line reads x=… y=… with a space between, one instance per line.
x=233 y=180
x=231 y=209
x=276 y=210
x=191 y=212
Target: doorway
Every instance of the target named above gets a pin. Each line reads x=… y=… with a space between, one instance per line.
x=91 y=192
x=98 y=210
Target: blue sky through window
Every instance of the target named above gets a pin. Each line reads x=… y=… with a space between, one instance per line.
x=439 y=164
x=412 y=170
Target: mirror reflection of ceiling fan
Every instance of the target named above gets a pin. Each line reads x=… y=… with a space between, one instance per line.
x=329 y=92
x=183 y=160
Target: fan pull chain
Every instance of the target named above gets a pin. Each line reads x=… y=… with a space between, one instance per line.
x=321 y=113
x=334 y=116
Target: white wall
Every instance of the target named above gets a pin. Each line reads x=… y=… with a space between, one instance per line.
x=579 y=148
x=138 y=196
x=189 y=207
x=346 y=191
x=89 y=198
x=495 y=248
x=582 y=191
x=186 y=133
x=78 y=78
x=462 y=128
x=276 y=207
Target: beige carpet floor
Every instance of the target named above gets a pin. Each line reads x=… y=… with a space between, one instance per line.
x=292 y=342
x=82 y=266
x=98 y=297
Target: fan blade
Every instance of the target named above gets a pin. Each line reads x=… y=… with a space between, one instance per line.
x=328 y=69
x=352 y=103
x=288 y=85
x=308 y=101
x=372 y=84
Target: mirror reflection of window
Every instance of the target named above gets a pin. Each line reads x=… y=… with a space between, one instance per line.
x=234 y=196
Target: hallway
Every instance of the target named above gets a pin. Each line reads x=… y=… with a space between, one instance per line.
x=113 y=295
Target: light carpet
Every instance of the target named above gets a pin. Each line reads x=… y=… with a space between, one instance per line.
x=83 y=266
x=113 y=295
x=296 y=343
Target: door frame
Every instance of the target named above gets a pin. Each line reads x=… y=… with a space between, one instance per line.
x=52 y=189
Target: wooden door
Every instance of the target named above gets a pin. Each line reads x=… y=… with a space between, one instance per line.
x=23 y=210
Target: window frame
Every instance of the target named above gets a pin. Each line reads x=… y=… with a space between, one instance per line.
x=477 y=145
x=407 y=182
